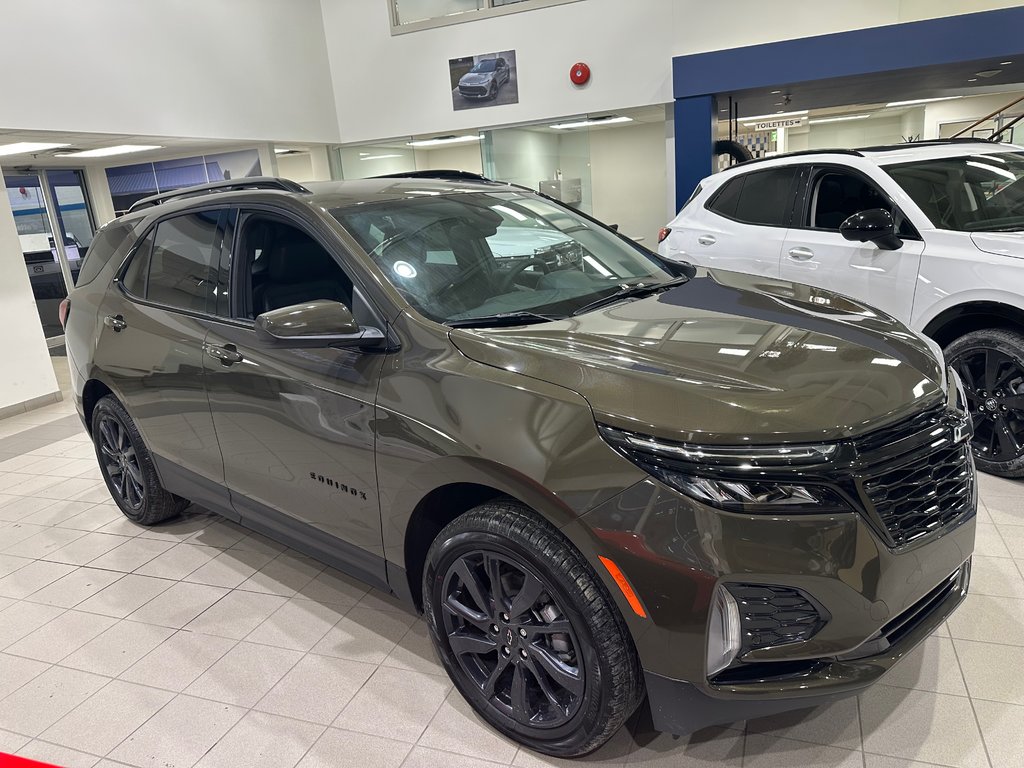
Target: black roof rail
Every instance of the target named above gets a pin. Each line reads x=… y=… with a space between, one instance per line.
x=799 y=153
x=227 y=185
x=924 y=143
x=440 y=174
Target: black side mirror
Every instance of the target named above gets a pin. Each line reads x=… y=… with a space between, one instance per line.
x=314 y=324
x=875 y=225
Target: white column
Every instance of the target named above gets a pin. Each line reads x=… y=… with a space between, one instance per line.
x=321 y=163
x=268 y=160
x=28 y=376
x=99 y=194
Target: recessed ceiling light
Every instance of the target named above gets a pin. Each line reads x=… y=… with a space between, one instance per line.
x=24 y=147
x=840 y=119
x=594 y=121
x=120 y=149
x=364 y=156
x=442 y=140
x=775 y=116
x=921 y=101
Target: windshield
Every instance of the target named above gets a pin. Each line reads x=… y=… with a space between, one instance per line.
x=476 y=254
x=487 y=65
x=974 y=193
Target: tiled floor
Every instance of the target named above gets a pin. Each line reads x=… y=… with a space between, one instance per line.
x=198 y=643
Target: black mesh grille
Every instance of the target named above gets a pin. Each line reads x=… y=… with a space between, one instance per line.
x=923 y=493
x=772 y=615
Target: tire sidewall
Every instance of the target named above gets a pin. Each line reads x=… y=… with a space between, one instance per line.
x=106 y=408
x=565 y=739
x=1011 y=344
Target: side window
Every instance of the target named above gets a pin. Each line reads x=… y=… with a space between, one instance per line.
x=282 y=265
x=112 y=238
x=837 y=195
x=760 y=197
x=184 y=250
x=135 y=277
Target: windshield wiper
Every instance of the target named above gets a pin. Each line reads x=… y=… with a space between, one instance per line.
x=503 y=318
x=634 y=291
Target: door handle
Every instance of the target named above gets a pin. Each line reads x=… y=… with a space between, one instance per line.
x=116 y=322
x=801 y=254
x=228 y=354
x=707 y=239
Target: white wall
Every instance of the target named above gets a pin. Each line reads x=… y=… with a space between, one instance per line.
x=628 y=174
x=297 y=167
x=629 y=46
x=238 y=69
x=458 y=157
x=28 y=372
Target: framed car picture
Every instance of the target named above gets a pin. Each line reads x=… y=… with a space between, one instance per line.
x=484 y=80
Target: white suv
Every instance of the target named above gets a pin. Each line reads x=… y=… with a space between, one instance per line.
x=929 y=232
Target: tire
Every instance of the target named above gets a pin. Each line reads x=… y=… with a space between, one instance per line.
x=995 y=397
x=738 y=152
x=133 y=483
x=492 y=94
x=571 y=628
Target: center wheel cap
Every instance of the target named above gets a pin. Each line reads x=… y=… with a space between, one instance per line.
x=992 y=404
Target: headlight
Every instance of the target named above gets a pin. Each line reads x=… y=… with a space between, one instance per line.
x=733 y=478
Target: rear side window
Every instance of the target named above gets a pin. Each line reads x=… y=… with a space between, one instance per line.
x=184 y=251
x=107 y=241
x=761 y=198
x=134 y=278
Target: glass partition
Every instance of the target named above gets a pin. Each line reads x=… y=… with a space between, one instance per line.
x=364 y=161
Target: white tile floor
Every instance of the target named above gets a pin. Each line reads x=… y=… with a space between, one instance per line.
x=198 y=643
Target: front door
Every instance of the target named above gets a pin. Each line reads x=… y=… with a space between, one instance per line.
x=817 y=254
x=295 y=425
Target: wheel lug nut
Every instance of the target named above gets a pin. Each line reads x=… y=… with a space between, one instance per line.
x=504 y=617
x=505 y=650
x=494 y=628
x=522 y=652
x=522 y=632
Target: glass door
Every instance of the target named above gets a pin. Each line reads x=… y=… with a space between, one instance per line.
x=44 y=201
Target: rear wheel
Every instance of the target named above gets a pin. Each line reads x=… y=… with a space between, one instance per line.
x=127 y=466
x=528 y=633
x=991 y=365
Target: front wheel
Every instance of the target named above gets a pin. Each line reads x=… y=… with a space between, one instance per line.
x=991 y=365
x=528 y=633
x=127 y=466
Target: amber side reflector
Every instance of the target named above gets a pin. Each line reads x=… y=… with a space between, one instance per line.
x=623 y=584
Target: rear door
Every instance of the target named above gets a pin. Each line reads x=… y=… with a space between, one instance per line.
x=743 y=225
x=817 y=254
x=155 y=321
x=295 y=425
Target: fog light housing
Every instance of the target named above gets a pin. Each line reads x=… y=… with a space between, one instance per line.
x=724 y=640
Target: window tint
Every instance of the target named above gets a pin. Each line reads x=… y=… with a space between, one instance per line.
x=107 y=241
x=837 y=195
x=761 y=197
x=184 y=250
x=285 y=266
x=134 y=278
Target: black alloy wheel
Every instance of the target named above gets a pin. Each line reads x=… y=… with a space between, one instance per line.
x=128 y=468
x=120 y=462
x=991 y=366
x=512 y=640
x=527 y=631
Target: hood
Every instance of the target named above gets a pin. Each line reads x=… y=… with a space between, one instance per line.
x=1000 y=243
x=728 y=359
x=476 y=78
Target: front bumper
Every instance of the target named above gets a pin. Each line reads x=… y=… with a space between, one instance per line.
x=676 y=552
x=475 y=91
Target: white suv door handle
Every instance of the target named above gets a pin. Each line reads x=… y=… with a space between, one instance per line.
x=801 y=254
x=707 y=240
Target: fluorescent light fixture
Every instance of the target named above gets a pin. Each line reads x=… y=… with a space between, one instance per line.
x=886 y=361
x=1005 y=63
x=377 y=157
x=775 y=116
x=921 y=101
x=443 y=140
x=23 y=147
x=594 y=121
x=120 y=149
x=999 y=171
x=735 y=352
x=509 y=212
x=820 y=120
x=281 y=150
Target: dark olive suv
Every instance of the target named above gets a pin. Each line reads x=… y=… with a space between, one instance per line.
x=601 y=478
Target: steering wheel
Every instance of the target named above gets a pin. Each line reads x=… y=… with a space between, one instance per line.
x=509 y=277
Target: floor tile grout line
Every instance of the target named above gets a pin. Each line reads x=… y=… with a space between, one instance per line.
x=860 y=728
x=974 y=711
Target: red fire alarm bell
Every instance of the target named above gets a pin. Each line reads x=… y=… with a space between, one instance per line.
x=579 y=74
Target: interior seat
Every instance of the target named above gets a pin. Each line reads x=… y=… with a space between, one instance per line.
x=298 y=271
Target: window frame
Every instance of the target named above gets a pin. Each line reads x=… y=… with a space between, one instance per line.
x=488 y=12
x=214 y=262
x=793 y=195
x=805 y=199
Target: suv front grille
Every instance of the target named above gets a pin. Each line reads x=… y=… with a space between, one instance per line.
x=922 y=495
